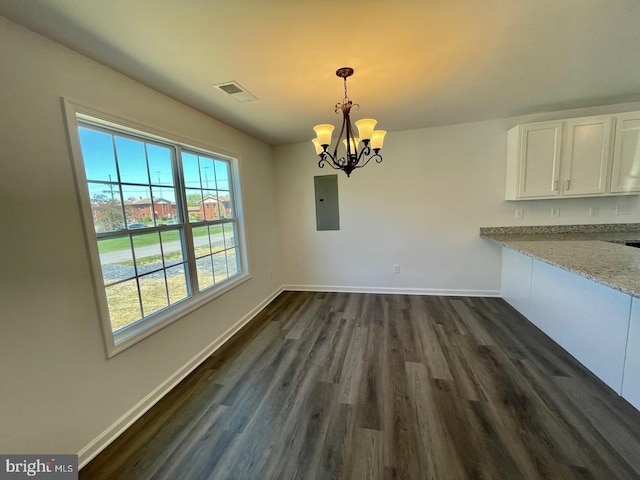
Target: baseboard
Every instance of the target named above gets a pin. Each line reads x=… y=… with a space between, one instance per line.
x=397 y=291
x=125 y=421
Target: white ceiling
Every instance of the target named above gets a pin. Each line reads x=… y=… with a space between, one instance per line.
x=418 y=63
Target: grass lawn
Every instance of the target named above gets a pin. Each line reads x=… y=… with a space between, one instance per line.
x=158 y=291
x=122 y=243
x=124 y=304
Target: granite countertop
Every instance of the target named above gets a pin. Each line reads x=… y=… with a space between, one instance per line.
x=597 y=252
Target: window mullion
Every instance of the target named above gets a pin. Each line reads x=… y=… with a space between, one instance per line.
x=192 y=271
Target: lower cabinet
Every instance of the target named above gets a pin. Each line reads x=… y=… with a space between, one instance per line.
x=631 y=383
x=589 y=320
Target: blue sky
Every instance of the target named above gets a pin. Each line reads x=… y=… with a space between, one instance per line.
x=146 y=168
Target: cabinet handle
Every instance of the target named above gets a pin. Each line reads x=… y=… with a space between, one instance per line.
x=555 y=186
x=567 y=184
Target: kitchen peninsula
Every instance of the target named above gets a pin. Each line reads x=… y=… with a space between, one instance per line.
x=580 y=284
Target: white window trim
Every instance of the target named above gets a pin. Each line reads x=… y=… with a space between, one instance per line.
x=128 y=336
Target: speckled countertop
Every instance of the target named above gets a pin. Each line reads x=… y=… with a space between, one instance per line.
x=597 y=252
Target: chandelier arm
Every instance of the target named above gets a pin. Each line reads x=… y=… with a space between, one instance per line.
x=324 y=162
x=326 y=158
x=345 y=117
x=335 y=163
x=352 y=157
x=341 y=162
x=364 y=154
x=377 y=156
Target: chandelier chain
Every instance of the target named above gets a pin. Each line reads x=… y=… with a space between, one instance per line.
x=346 y=96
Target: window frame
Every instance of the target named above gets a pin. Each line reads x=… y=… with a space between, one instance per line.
x=118 y=341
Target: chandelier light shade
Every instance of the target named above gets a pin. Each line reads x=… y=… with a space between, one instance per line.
x=358 y=150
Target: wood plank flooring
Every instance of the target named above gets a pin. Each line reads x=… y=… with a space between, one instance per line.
x=365 y=386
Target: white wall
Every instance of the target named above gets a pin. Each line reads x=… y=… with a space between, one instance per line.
x=421 y=208
x=58 y=391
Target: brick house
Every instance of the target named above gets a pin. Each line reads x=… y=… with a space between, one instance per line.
x=211 y=208
x=143 y=208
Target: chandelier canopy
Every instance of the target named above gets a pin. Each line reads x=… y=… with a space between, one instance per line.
x=358 y=150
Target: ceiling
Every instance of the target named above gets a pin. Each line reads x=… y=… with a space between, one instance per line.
x=418 y=63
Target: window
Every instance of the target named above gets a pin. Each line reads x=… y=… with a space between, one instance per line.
x=162 y=223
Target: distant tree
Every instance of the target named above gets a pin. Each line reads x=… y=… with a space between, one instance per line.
x=193 y=199
x=107 y=213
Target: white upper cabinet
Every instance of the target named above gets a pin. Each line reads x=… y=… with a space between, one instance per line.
x=576 y=157
x=587 y=156
x=533 y=164
x=625 y=175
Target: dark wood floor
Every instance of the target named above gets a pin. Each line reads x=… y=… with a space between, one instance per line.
x=363 y=386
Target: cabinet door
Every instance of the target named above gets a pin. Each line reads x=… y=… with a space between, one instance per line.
x=631 y=384
x=586 y=157
x=625 y=174
x=539 y=160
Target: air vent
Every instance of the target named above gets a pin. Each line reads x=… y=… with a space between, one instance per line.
x=236 y=91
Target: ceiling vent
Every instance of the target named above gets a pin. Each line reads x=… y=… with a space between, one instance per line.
x=236 y=91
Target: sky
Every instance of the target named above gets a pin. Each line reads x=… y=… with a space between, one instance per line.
x=145 y=168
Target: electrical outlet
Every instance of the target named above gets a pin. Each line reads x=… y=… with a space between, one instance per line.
x=396 y=268
x=519 y=212
x=594 y=211
x=555 y=212
x=622 y=209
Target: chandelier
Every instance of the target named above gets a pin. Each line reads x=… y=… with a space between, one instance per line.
x=358 y=150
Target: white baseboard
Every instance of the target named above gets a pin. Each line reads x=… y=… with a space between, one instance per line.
x=125 y=421
x=398 y=291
